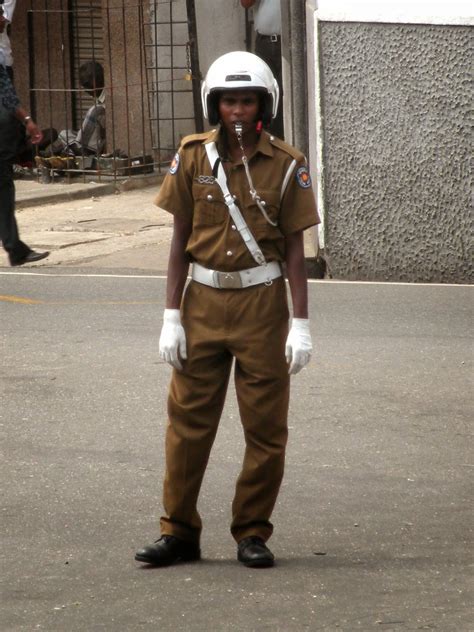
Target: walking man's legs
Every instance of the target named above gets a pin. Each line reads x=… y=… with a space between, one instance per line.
x=16 y=249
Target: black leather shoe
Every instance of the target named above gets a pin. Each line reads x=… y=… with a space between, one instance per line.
x=168 y=550
x=31 y=257
x=253 y=552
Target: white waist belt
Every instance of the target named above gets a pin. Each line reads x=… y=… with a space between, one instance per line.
x=237 y=280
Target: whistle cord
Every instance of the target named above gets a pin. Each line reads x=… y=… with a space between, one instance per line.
x=260 y=203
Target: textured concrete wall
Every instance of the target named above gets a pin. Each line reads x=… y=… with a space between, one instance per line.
x=395 y=105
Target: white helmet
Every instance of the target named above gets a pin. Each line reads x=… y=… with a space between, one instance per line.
x=239 y=71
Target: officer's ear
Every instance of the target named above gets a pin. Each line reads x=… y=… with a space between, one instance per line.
x=213 y=108
x=266 y=109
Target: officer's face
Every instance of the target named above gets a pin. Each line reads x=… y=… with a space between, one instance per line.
x=239 y=106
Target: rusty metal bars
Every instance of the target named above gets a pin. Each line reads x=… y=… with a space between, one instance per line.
x=148 y=59
x=165 y=96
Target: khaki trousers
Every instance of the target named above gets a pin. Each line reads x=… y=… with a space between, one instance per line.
x=250 y=325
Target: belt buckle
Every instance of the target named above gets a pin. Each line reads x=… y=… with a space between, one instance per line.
x=227 y=280
x=273 y=38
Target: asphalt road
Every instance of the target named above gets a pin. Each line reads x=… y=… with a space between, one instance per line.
x=372 y=526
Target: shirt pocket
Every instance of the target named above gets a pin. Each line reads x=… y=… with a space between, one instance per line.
x=270 y=200
x=209 y=207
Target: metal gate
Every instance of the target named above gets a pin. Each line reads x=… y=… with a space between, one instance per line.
x=173 y=74
x=87 y=43
x=149 y=52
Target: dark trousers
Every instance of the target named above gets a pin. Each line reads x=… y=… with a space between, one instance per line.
x=16 y=249
x=270 y=52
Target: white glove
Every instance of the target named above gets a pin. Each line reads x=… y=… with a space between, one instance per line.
x=298 y=345
x=172 y=339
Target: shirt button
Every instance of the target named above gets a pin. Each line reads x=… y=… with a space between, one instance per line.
x=234 y=227
x=229 y=253
x=209 y=197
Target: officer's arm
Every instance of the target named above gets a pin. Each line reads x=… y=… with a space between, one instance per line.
x=178 y=263
x=296 y=272
x=298 y=347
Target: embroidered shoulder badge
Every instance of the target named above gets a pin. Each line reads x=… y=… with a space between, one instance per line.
x=174 y=166
x=303 y=178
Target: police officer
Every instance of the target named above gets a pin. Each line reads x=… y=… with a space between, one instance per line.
x=240 y=199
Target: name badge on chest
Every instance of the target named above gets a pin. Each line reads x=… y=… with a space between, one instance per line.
x=205 y=180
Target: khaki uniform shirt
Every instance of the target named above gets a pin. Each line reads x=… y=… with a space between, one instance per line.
x=191 y=192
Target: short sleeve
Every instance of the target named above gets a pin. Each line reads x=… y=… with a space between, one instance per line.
x=175 y=194
x=298 y=205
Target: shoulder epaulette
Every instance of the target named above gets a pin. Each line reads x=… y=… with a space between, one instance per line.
x=289 y=149
x=194 y=138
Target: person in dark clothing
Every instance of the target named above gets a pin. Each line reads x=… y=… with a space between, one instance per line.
x=10 y=112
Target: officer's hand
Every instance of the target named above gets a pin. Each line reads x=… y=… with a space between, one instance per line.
x=298 y=345
x=172 y=339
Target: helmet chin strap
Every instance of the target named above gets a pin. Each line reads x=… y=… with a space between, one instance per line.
x=255 y=196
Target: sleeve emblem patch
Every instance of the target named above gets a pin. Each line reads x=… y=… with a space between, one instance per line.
x=303 y=178
x=174 y=166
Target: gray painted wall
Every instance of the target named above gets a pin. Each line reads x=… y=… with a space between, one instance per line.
x=221 y=29
x=395 y=105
